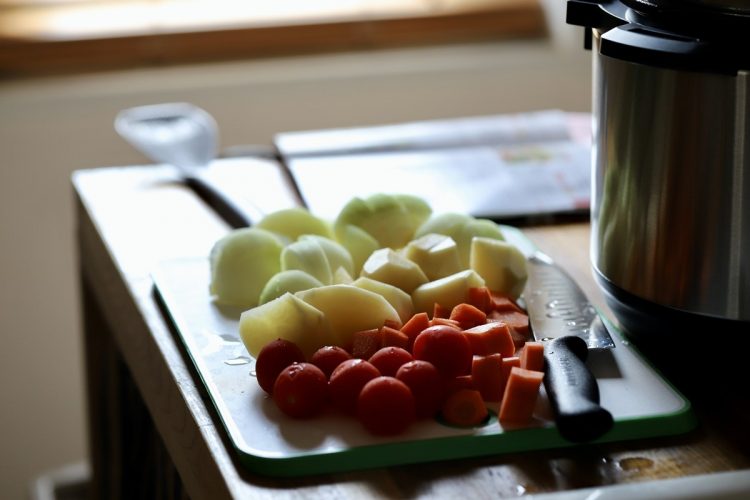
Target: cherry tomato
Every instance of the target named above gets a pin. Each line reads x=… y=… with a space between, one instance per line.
x=386 y=406
x=329 y=357
x=346 y=382
x=426 y=385
x=301 y=390
x=389 y=359
x=274 y=357
x=446 y=348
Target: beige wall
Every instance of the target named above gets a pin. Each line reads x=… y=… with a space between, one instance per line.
x=50 y=127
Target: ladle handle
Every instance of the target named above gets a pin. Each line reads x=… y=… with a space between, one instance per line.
x=213 y=196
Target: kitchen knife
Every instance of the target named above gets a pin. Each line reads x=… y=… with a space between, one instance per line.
x=561 y=316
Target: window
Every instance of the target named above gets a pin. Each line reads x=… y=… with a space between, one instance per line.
x=62 y=35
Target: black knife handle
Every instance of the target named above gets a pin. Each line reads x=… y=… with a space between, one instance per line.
x=573 y=392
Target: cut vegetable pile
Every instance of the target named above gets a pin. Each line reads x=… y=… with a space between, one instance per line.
x=390 y=314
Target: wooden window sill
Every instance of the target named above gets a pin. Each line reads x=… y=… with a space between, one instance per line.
x=52 y=37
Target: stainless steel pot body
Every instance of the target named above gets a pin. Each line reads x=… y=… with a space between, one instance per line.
x=671 y=190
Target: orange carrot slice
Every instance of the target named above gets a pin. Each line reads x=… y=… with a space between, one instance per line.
x=487 y=375
x=508 y=364
x=491 y=338
x=468 y=315
x=390 y=337
x=458 y=383
x=396 y=325
x=481 y=298
x=503 y=303
x=532 y=356
x=365 y=343
x=445 y=321
x=415 y=325
x=439 y=311
x=518 y=323
x=520 y=395
x=464 y=408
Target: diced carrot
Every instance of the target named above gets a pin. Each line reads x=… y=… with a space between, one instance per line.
x=503 y=303
x=491 y=338
x=532 y=356
x=518 y=323
x=439 y=311
x=390 y=337
x=520 y=395
x=445 y=321
x=464 y=408
x=508 y=364
x=365 y=343
x=396 y=325
x=414 y=326
x=481 y=298
x=468 y=315
x=487 y=375
x=454 y=384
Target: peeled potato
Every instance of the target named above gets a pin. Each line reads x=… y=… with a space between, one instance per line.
x=359 y=243
x=435 y=254
x=291 y=281
x=291 y=223
x=390 y=267
x=448 y=292
x=336 y=253
x=462 y=228
x=242 y=262
x=349 y=309
x=286 y=317
x=500 y=264
x=400 y=300
x=307 y=256
x=390 y=219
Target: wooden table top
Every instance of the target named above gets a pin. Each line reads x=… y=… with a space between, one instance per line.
x=131 y=218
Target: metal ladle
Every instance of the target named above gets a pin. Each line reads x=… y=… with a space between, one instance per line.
x=186 y=137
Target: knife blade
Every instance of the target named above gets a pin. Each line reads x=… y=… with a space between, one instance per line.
x=561 y=316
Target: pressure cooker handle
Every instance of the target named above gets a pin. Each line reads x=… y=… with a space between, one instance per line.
x=637 y=44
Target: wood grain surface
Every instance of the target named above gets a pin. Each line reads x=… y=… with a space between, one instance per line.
x=150 y=421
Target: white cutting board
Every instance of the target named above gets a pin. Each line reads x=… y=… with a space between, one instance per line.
x=642 y=403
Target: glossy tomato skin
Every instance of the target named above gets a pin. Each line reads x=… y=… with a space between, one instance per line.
x=389 y=359
x=301 y=390
x=386 y=406
x=346 y=382
x=274 y=357
x=446 y=348
x=327 y=358
x=426 y=386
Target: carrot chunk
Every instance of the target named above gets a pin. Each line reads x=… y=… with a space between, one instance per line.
x=520 y=395
x=453 y=384
x=445 y=321
x=464 y=408
x=503 y=303
x=532 y=356
x=481 y=298
x=508 y=364
x=490 y=338
x=439 y=311
x=468 y=315
x=365 y=343
x=518 y=323
x=487 y=375
x=390 y=337
x=414 y=327
x=396 y=325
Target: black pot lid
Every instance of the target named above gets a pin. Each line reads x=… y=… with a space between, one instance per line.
x=694 y=35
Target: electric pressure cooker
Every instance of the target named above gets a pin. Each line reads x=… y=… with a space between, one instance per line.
x=670 y=210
